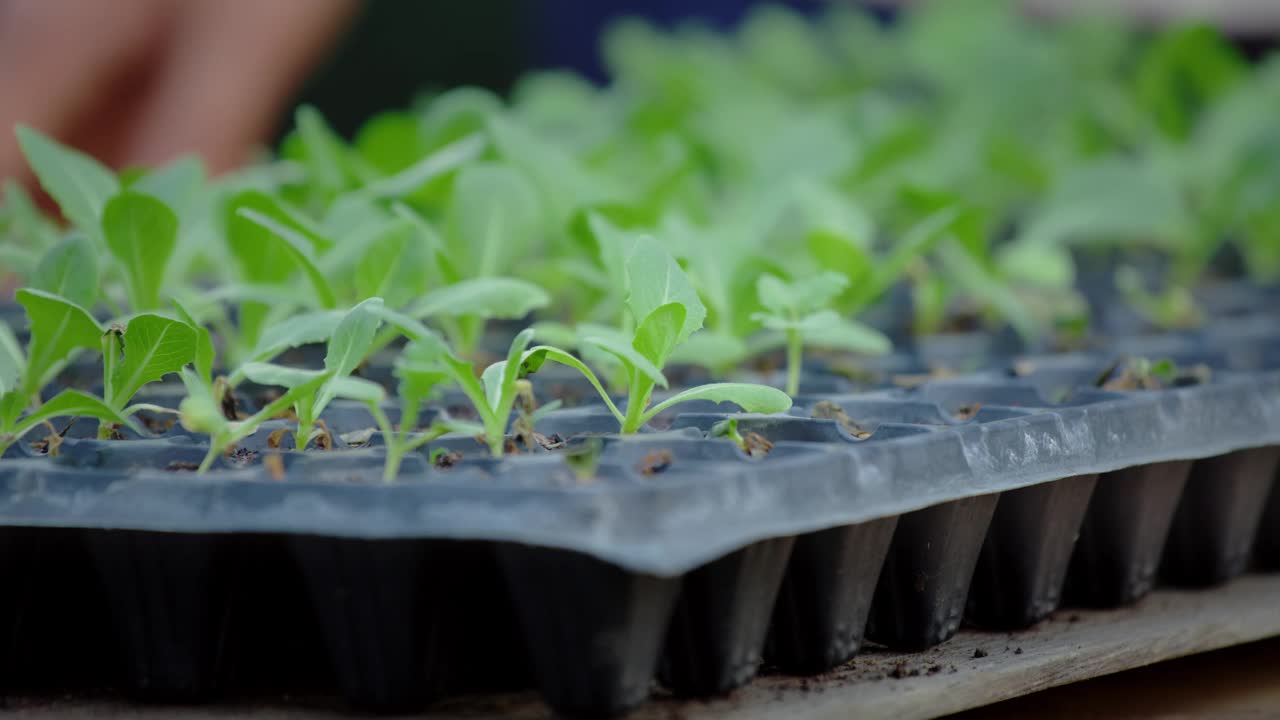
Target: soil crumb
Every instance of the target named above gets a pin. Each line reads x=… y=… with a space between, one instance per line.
x=655 y=462
x=827 y=410
x=551 y=442
x=276 y=437
x=447 y=459
x=966 y=413
x=275 y=466
x=756 y=445
x=156 y=424
x=979 y=653
x=182 y=466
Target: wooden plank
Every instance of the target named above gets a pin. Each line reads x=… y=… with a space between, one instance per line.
x=1070 y=647
x=974 y=669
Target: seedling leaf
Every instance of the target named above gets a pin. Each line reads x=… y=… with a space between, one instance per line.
x=141 y=232
x=299 y=248
x=302 y=329
x=496 y=297
x=58 y=327
x=74 y=403
x=628 y=355
x=154 y=346
x=79 y=184
x=204 y=342
x=352 y=338
x=655 y=279
x=12 y=362
x=751 y=398
x=279 y=375
x=70 y=269
x=656 y=337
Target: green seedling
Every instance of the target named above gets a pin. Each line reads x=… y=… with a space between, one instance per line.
x=584 y=460
x=1172 y=308
x=79 y=184
x=798 y=310
x=428 y=361
x=420 y=377
x=145 y=350
x=59 y=330
x=753 y=444
x=141 y=232
x=664 y=310
x=346 y=349
x=1139 y=373
x=200 y=411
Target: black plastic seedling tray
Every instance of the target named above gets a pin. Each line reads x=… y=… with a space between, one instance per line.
x=682 y=560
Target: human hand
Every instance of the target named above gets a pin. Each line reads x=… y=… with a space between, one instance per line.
x=136 y=82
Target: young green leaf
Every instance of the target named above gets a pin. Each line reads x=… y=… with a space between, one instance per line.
x=655 y=279
x=23 y=220
x=713 y=350
x=395 y=265
x=205 y=352
x=446 y=159
x=536 y=356
x=494 y=297
x=500 y=385
x=348 y=347
x=658 y=335
x=74 y=403
x=70 y=270
x=493 y=220
x=358 y=389
x=179 y=184
x=617 y=346
x=154 y=346
x=199 y=411
x=79 y=184
x=299 y=249
x=352 y=337
x=826 y=329
x=58 y=328
x=322 y=149
x=12 y=362
x=141 y=232
x=971 y=274
x=299 y=330
x=262 y=257
x=922 y=238
x=751 y=398
x=280 y=375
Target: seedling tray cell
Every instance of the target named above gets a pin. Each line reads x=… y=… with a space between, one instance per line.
x=821 y=615
x=1123 y=535
x=1023 y=564
x=593 y=630
x=168 y=600
x=716 y=638
x=378 y=603
x=920 y=599
x=1216 y=523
